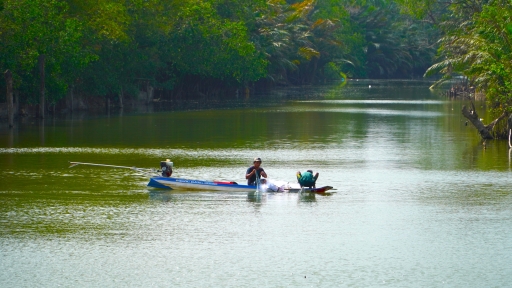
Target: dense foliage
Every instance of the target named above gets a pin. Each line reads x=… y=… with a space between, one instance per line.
x=476 y=43
x=203 y=48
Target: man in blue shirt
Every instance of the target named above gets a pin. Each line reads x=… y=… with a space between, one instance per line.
x=250 y=175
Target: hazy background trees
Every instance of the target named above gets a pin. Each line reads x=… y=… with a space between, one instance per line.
x=213 y=48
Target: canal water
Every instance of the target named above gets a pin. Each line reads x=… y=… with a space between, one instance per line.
x=419 y=200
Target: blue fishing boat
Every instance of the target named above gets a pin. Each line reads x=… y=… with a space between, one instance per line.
x=167 y=182
x=190 y=184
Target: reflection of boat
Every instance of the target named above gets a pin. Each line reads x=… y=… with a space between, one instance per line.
x=189 y=184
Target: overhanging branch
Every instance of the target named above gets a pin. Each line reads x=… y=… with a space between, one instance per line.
x=472 y=116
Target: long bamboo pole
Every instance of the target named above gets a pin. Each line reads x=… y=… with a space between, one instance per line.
x=73 y=164
x=147 y=171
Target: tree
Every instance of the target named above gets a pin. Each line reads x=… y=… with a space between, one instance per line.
x=29 y=28
x=480 y=48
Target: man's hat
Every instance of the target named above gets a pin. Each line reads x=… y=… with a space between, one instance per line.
x=257 y=159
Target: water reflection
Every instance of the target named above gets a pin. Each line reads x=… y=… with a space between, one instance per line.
x=509 y=158
x=307 y=197
x=252 y=197
x=10 y=136
x=161 y=196
x=42 y=135
x=411 y=190
x=256 y=197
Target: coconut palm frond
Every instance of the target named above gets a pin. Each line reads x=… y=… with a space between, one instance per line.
x=440 y=81
x=436 y=68
x=308 y=53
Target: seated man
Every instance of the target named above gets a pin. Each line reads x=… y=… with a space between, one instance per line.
x=166 y=167
x=307 y=179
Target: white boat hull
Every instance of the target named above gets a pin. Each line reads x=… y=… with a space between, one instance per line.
x=189 y=184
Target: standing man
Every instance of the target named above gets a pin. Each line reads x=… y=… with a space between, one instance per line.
x=250 y=175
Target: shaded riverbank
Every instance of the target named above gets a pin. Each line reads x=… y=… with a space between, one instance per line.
x=158 y=102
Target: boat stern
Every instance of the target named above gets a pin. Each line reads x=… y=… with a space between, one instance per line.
x=155 y=184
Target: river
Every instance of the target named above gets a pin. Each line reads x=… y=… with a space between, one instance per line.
x=419 y=201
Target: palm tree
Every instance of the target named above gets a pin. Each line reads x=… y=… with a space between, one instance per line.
x=480 y=48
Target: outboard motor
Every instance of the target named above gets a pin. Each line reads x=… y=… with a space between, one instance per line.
x=166 y=167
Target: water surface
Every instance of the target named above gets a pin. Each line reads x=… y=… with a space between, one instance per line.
x=419 y=200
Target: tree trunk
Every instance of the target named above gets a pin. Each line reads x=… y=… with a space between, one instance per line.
x=312 y=76
x=149 y=93
x=472 y=116
x=17 y=101
x=509 y=128
x=121 y=98
x=42 y=84
x=509 y=144
x=247 y=93
x=71 y=96
x=10 y=105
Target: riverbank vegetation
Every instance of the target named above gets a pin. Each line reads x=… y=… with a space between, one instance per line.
x=203 y=49
x=475 y=43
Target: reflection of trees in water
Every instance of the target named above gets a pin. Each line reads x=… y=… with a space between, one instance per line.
x=162 y=196
x=41 y=133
